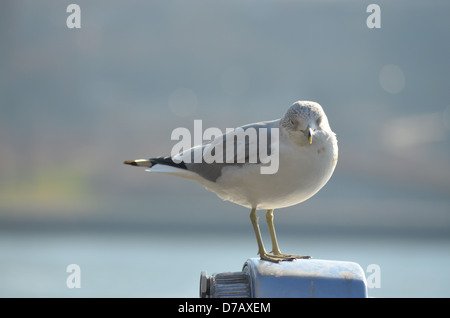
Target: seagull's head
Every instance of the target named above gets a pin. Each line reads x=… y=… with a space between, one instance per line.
x=303 y=120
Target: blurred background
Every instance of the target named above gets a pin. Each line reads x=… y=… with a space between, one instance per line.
x=75 y=103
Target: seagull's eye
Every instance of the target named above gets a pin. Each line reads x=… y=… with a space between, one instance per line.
x=292 y=122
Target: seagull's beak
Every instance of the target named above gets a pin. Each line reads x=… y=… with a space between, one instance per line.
x=310 y=135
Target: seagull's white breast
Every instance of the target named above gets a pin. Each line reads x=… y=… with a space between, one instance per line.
x=303 y=171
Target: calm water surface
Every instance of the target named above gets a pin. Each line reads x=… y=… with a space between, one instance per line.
x=169 y=264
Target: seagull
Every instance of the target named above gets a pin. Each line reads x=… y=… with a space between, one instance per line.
x=307 y=158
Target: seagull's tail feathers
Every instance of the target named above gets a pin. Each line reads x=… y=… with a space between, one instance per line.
x=139 y=163
x=149 y=163
x=164 y=165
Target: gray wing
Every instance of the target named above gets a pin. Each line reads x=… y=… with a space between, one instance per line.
x=243 y=141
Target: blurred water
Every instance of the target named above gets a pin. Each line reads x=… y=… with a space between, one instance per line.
x=169 y=264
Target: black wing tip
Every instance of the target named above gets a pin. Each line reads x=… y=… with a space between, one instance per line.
x=168 y=162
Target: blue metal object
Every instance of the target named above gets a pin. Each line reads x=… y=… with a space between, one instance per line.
x=301 y=278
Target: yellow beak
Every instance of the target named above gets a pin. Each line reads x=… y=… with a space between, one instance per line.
x=310 y=135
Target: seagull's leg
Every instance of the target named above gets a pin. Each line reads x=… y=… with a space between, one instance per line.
x=273 y=235
x=275 y=248
x=261 y=251
x=254 y=218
